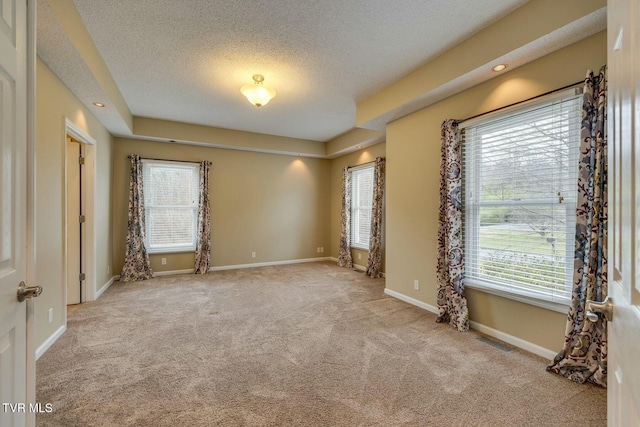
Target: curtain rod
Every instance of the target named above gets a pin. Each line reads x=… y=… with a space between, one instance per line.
x=364 y=164
x=523 y=101
x=360 y=165
x=165 y=160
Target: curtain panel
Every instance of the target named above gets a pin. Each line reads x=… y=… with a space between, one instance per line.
x=136 y=263
x=344 y=250
x=584 y=355
x=452 y=304
x=375 y=239
x=203 y=241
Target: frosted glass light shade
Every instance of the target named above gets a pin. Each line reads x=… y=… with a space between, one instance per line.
x=257 y=94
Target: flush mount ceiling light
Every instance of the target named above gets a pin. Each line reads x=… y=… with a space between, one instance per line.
x=98 y=104
x=257 y=93
x=499 y=67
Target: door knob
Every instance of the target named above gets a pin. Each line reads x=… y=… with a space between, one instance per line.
x=605 y=307
x=26 y=292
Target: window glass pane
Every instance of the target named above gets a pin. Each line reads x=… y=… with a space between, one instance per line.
x=527 y=160
x=516 y=242
x=171 y=199
x=361 y=201
x=170 y=186
x=520 y=185
x=170 y=227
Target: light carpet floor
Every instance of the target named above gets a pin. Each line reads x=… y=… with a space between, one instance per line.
x=295 y=345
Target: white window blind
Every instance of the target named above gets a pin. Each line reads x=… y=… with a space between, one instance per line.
x=520 y=184
x=361 y=203
x=171 y=205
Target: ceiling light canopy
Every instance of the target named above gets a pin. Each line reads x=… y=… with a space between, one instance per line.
x=98 y=104
x=257 y=93
x=499 y=67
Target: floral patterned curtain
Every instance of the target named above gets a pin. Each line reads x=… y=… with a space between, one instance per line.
x=584 y=356
x=452 y=304
x=375 y=239
x=136 y=261
x=203 y=244
x=344 y=251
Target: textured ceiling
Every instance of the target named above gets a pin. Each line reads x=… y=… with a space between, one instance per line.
x=186 y=60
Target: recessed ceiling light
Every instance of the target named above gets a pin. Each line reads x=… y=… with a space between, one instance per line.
x=98 y=104
x=499 y=67
x=359 y=147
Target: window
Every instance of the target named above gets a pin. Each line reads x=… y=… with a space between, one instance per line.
x=171 y=205
x=520 y=187
x=361 y=201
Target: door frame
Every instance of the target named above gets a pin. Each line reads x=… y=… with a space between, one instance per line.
x=31 y=241
x=87 y=177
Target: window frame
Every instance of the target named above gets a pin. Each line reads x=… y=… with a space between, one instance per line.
x=353 y=172
x=511 y=290
x=171 y=248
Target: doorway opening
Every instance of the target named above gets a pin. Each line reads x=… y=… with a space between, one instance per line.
x=80 y=243
x=75 y=222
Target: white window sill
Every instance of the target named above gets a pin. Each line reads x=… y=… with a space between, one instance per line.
x=170 y=250
x=360 y=247
x=561 y=306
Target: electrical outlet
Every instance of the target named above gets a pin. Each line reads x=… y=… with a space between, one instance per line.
x=163 y=261
x=253 y=254
x=416 y=285
x=322 y=249
x=359 y=255
x=318 y=250
x=50 y=315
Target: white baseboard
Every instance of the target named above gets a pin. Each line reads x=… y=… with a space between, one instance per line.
x=266 y=264
x=357 y=266
x=173 y=272
x=402 y=297
x=49 y=341
x=237 y=266
x=106 y=286
x=502 y=336
x=166 y=273
x=510 y=339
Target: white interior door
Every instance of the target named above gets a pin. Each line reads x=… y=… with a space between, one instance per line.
x=13 y=210
x=624 y=220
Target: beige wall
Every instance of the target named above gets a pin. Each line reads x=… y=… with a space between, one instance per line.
x=356 y=158
x=413 y=163
x=54 y=103
x=274 y=205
